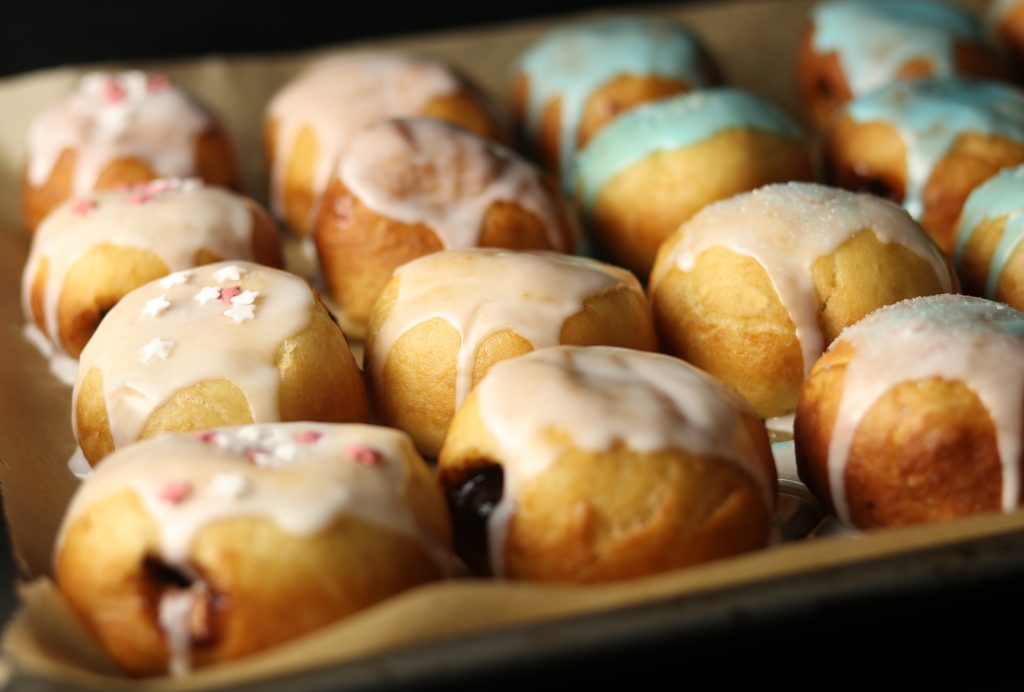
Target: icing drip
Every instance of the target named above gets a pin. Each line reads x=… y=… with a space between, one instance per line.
x=111 y=116
x=207 y=343
x=424 y=171
x=282 y=472
x=931 y=114
x=176 y=221
x=573 y=63
x=481 y=292
x=875 y=40
x=173 y=618
x=544 y=404
x=955 y=338
x=1000 y=195
x=667 y=125
x=338 y=97
x=786 y=228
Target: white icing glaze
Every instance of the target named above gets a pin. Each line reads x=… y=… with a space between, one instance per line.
x=63 y=367
x=480 y=292
x=118 y=115
x=955 y=338
x=301 y=476
x=174 y=219
x=206 y=342
x=594 y=397
x=424 y=171
x=786 y=228
x=339 y=96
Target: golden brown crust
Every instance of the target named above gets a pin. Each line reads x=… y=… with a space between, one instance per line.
x=725 y=317
x=299 y=198
x=359 y=249
x=319 y=381
x=416 y=392
x=866 y=157
x=269 y=585
x=973 y=159
x=601 y=516
x=642 y=206
x=977 y=258
x=1010 y=32
x=925 y=450
x=215 y=158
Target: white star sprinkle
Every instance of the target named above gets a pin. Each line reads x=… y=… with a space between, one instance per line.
x=250 y=433
x=240 y=313
x=245 y=298
x=175 y=279
x=157 y=348
x=206 y=294
x=229 y=485
x=232 y=272
x=154 y=306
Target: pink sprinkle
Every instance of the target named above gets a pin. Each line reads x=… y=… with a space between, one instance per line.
x=140 y=199
x=207 y=436
x=157 y=82
x=175 y=492
x=364 y=456
x=84 y=206
x=113 y=91
x=255 y=454
x=229 y=292
x=308 y=436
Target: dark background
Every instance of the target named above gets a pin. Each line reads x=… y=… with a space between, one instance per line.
x=957 y=626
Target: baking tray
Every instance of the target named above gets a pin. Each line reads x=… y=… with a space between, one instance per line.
x=461 y=631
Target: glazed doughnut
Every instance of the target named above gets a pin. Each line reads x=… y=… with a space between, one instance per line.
x=914 y=414
x=311 y=121
x=595 y=464
x=853 y=47
x=410 y=187
x=752 y=289
x=927 y=144
x=122 y=128
x=988 y=236
x=656 y=166
x=90 y=252
x=446 y=318
x=573 y=81
x=223 y=344
x=185 y=551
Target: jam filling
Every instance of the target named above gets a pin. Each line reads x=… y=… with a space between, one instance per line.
x=472 y=503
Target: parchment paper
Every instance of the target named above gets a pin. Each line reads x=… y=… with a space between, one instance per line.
x=754 y=41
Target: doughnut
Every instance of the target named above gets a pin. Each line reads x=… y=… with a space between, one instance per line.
x=120 y=128
x=410 y=187
x=914 y=414
x=752 y=289
x=91 y=251
x=223 y=344
x=576 y=79
x=657 y=165
x=446 y=318
x=927 y=144
x=184 y=551
x=988 y=235
x=593 y=464
x=310 y=122
x=853 y=47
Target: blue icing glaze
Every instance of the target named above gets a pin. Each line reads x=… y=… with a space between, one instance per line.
x=874 y=39
x=667 y=125
x=931 y=114
x=1000 y=195
x=573 y=62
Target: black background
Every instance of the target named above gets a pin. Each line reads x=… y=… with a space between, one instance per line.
x=933 y=633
